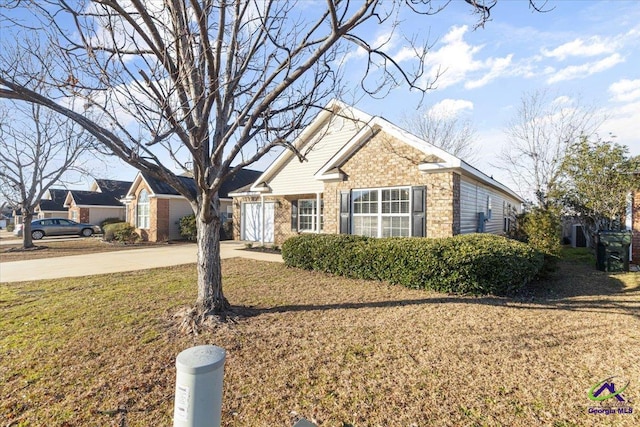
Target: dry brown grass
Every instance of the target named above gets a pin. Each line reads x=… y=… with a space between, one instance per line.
x=53 y=247
x=100 y=351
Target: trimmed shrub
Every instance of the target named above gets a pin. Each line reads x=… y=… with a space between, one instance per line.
x=466 y=264
x=108 y=221
x=10 y=228
x=122 y=232
x=188 y=228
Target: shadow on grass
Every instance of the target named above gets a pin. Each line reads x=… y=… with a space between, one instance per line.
x=574 y=287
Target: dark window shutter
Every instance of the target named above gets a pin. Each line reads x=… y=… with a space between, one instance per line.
x=345 y=212
x=294 y=215
x=418 y=211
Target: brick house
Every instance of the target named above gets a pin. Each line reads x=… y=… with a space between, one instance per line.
x=154 y=208
x=102 y=201
x=364 y=175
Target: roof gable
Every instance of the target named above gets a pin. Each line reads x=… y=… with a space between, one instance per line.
x=332 y=127
x=53 y=200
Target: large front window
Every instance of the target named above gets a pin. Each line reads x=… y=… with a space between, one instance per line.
x=308 y=215
x=382 y=212
x=143 y=210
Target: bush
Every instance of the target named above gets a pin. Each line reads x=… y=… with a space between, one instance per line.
x=188 y=228
x=10 y=228
x=120 y=232
x=467 y=264
x=189 y=231
x=108 y=221
x=542 y=230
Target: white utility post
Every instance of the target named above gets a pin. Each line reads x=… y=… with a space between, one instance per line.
x=198 y=398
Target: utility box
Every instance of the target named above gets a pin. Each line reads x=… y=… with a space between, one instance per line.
x=612 y=250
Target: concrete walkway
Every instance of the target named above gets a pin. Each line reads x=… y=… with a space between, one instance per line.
x=117 y=261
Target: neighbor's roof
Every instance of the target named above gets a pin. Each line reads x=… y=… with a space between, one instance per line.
x=114 y=187
x=92 y=198
x=160 y=188
x=56 y=203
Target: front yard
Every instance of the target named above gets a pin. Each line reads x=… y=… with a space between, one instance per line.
x=100 y=350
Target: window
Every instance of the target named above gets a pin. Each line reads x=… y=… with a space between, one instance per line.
x=308 y=215
x=74 y=215
x=382 y=212
x=143 y=210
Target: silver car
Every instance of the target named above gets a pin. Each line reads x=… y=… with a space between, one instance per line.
x=59 y=227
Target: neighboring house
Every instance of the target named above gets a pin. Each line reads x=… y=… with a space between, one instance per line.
x=52 y=204
x=364 y=175
x=101 y=202
x=154 y=208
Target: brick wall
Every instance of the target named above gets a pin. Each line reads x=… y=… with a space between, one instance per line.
x=159 y=220
x=386 y=162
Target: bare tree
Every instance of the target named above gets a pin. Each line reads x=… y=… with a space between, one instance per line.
x=216 y=84
x=447 y=131
x=538 y=137
x=38 y=148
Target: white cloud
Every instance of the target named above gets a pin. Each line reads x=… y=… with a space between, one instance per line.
x=455 y=60
x=562 y=100
x=623 y=123
x=448 y=108
x=498 y=67
x=625 y=90
x=587 y=69
x=593 y=46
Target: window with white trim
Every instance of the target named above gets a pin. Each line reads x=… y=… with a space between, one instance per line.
x=142 y=220
x=384 y=212
x=308 y=214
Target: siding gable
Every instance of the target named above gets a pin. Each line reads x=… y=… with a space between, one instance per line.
x=297 y=177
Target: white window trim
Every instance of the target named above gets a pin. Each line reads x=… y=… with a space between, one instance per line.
x=313 y=215
x=143 y=225
x=379 y=214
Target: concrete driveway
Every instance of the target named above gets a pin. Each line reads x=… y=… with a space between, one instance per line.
x=117 y=261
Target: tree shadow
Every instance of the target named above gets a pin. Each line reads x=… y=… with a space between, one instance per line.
x=574 y=287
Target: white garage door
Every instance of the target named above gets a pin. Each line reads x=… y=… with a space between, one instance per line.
x=252 y=222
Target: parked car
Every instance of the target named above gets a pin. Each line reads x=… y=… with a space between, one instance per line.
x=58 y=227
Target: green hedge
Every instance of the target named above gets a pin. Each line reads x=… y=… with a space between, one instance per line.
x=120 y=232
x=467 y=264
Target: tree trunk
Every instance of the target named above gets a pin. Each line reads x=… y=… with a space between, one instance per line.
x=211 y=299
x=27 y=240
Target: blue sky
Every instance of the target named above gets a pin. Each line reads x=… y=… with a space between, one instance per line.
x=582 y=52
x=580 y=49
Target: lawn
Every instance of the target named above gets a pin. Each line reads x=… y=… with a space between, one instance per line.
x=100 y=351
